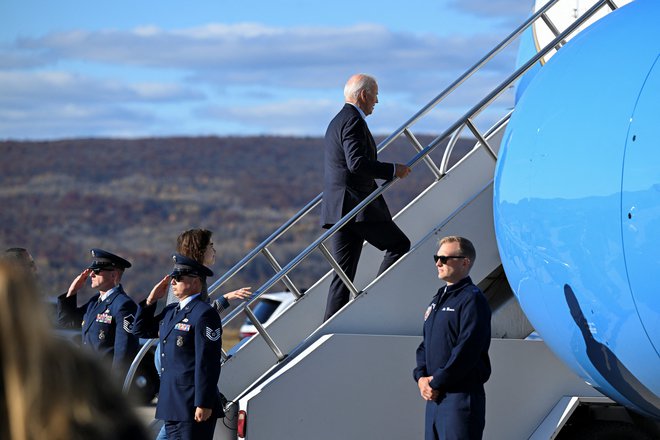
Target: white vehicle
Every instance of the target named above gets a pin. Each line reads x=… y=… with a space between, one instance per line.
x=270 y=306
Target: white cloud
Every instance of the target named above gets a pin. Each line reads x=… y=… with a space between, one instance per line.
x=28 y=88
x=289 y=117
x=259 y=78
x=230 y=50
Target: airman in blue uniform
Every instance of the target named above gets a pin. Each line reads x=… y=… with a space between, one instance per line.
x=452 y=360
x=190 y=333
x=108 y=317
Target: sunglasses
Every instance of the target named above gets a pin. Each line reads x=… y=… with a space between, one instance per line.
x=98 y=270
x=444 y=258
x=179 y=276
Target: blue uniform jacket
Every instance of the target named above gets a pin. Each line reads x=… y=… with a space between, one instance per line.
x=350 y=168
x=107 y=326
x=456 y=339
x=191 y=347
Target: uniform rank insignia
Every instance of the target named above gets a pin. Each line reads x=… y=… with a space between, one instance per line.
x=213 y=335
x=179 y=341
x=104 y=318
x=101 y=335
x=128 y=323
x=182 y=327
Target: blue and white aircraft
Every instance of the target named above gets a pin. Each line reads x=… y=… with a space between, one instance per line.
x=577 y=204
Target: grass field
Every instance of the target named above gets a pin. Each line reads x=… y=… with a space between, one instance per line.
x=229 y=338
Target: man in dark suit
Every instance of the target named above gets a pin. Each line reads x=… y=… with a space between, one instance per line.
x=351 y=167
x=107 y=318
x=190 y=334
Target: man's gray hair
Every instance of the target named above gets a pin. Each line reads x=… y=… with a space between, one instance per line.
x=358 y=83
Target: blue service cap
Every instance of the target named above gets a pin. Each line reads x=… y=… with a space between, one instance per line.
x=103 y=260
x=187 y=266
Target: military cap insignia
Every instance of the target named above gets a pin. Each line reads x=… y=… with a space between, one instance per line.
x=128 y=323
x=101 y=335
x=179 y=341
x=213 y=335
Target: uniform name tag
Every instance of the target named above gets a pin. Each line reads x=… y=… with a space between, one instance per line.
x=104 y=318
x=182 y=327
x=448 y=309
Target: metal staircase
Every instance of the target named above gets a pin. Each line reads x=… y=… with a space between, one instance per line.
x=459 y=201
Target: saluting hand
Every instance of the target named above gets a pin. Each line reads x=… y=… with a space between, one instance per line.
x=78 y=282
x=202 y=414
x=242 y=293
x=159 y=290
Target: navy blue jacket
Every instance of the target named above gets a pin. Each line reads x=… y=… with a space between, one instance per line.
x=456 y=339
x=351 y=167
x=191 y=346
x=107 y=326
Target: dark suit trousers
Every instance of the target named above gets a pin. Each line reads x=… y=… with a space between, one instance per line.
x=191 y=430
x=347 y=247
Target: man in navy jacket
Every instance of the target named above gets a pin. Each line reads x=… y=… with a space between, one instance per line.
x=452 y=360
x=107 y=318
x=351 y=167
x=190 y=334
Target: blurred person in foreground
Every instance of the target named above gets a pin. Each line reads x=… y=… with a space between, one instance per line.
x=190 y=334
x=50 y=389
x=20 y=257
x=107 y=318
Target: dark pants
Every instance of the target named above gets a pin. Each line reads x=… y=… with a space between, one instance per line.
x=191 y=430
x=456 y=416
x=347 y=247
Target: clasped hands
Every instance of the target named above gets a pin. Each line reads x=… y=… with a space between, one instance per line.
x=425 y=389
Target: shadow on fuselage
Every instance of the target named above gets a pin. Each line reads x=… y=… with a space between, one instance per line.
x=608 y=364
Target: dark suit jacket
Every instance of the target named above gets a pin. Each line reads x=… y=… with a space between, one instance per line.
x=107 y=326
x=191 y=346
x=351 y=167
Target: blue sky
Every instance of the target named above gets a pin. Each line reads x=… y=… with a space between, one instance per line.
x=71 y=68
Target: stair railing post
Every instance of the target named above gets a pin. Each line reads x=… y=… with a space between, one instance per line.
x=338 y=270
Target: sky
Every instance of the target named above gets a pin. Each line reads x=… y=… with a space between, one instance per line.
x=145 y=68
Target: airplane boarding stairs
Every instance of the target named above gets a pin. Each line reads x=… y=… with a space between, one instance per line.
x=394 y=302
x=384 y=321
x=459 y=202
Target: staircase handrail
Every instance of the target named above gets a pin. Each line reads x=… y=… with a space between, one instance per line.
x=421 y=155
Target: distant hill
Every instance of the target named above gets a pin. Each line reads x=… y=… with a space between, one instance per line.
x=134 y=197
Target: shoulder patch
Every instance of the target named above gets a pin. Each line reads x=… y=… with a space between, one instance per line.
x=128 y=323
x=213 y=335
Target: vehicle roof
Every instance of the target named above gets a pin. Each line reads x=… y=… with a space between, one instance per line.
x=278 y=296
